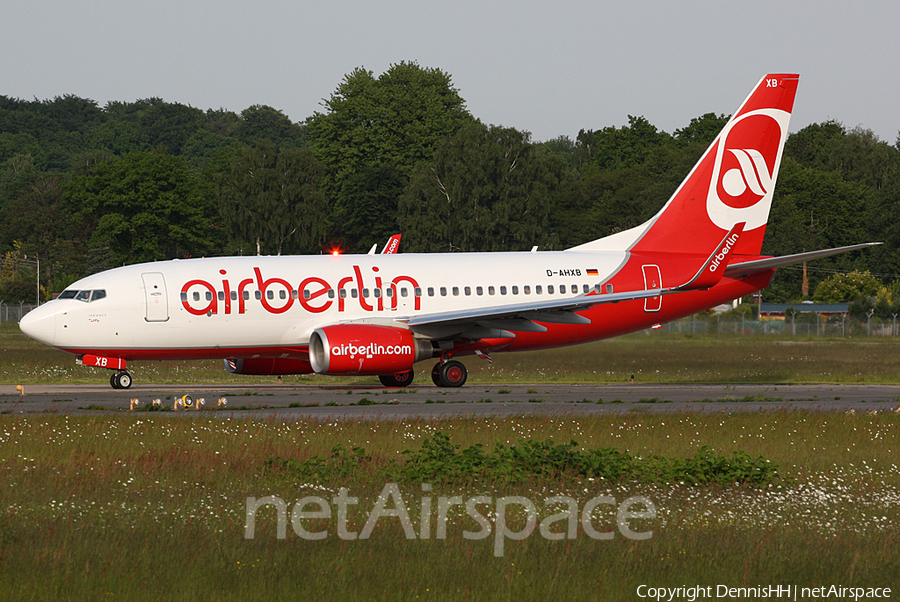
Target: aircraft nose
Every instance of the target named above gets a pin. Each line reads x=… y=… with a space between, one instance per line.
x=40 y=324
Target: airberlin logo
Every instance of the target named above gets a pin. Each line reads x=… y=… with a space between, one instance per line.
x=752 y=174
x=745 y=168
x=370 y=350
x=277 y=295
x=723 y=252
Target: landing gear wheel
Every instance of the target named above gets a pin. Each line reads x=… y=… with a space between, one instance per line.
x=120 y=380
x=452 y=374
x=436 y=375
x=400 y=379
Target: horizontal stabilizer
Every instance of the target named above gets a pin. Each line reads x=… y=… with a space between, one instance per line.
x=738 y=270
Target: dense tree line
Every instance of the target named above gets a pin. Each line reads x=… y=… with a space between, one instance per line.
x=85 y=188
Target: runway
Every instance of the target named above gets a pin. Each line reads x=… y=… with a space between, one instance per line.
x=379 y=403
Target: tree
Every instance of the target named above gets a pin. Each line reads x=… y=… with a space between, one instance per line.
x=375 y=190
x=616 y=148
x=261 y=123
x=487 y=189
x=843 y=288
x=143 y=207
x=396 y=120
x=272 y=199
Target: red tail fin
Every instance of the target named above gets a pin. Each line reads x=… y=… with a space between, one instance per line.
x=732 y=183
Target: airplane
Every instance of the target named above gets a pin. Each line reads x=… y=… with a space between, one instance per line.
x=379 y=314
x=391 y=246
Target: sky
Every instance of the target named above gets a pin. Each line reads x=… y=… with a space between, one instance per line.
x=549 y=68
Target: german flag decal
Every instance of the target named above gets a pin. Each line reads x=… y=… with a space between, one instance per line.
x=593 y=273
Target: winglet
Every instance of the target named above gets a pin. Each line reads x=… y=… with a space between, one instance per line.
x=714 y=267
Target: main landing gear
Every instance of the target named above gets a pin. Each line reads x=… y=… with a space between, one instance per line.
x=401 y=379
x=449 y=374
x=445 y=374
x=120 y=380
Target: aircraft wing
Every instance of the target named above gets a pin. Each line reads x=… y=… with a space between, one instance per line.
x=738 y=270
x=501 y=321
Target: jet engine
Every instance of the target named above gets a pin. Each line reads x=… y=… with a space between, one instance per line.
x=365 y=349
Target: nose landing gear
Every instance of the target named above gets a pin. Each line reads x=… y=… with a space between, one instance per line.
x=120 y=380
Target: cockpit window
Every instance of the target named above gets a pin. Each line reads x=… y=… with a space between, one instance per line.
x=86 y=296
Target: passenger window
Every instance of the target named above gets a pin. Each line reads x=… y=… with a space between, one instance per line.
x=342 y=293
x=306 y=294
x=443 y=291
x=468 y=290
x=515 y=290
x=538 y=290
x=431 y=291
x=234 y=295
x=293 y=294
x=245 y=295
x=221 y=295
x=526 y=289
x=354 y=293
x=209 y=295
x=490 y=290
x=574 y=289
x=365 y=293
x=609 y=288
x=389 y=292
x=549 y=289
x=270 y=295
x=377 y=293
x=403 y=292
x=331 y=293
x=502 y=290
x=183 y=296
x=418 y=291
x=257 y=295
x=479 y=291
x=586 y=289
x=456 y=291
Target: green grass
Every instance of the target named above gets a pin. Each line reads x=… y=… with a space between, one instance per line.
x=651 y=357
x=152 y=506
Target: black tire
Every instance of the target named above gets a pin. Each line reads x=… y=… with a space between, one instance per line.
x=123 y=380
x=114 y=380
x=453 y=374
x=400 y=379
x=436 y=375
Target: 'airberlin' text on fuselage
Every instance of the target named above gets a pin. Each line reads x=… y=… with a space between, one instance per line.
x=277 y=295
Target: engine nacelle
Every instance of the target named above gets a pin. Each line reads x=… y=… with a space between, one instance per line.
x=268 y=365
x=365 y=349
